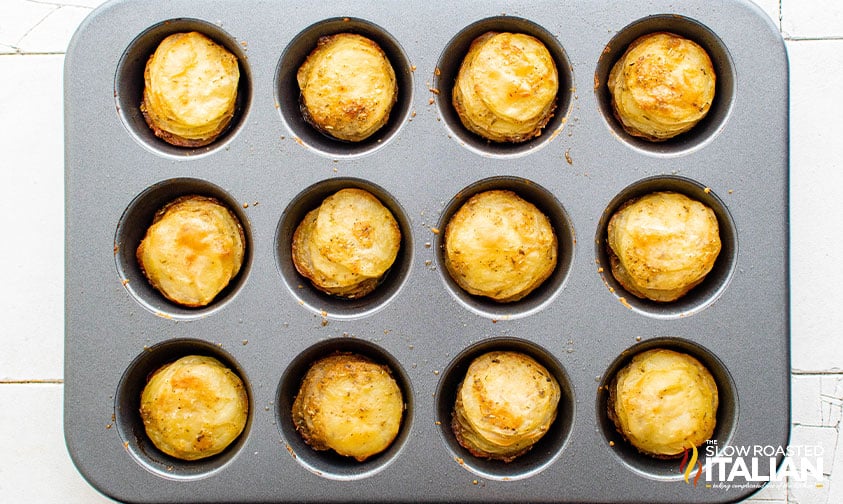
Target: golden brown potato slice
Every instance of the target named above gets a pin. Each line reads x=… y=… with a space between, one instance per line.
x=193 y=249
x=662 y=245
x=190 y=89
x=662 y=86
x=194 y=408
x=500 y=246
x=664 y=402
x=346 y=245
x=349 y=404
x=348 y=87
x=329 y=277
x=506 y=88
x=505 y=404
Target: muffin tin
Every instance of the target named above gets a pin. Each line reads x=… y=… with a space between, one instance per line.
x=270 y=167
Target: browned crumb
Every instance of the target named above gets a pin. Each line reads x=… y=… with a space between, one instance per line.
x=568 y=157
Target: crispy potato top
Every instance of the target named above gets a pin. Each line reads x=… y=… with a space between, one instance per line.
x=505 y=404
x=663 y=244
x=194 y=407
x=346 y=244
x=193 y=249
x=348 y=87
x=349 y=404
x=500 y=246
x=664 y=402
x=506 y=87
x=662 y=86
x=190 y=89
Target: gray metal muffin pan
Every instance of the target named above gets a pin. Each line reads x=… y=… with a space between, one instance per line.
x=271 y=167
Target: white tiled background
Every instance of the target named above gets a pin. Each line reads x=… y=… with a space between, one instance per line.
x=34 y=465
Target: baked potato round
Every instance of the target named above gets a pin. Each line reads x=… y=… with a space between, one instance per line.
x=662 y=245
x=194 y=408
x=348 y=87
x=350 y=404
x=505 y=404
x=193 y=249
x=664 y=402
x=190 y=89
x=347 y=244
x=506 y=87
x=662 y=86
x=500 y=246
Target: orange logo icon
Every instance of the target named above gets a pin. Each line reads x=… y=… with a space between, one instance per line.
x=687 y=466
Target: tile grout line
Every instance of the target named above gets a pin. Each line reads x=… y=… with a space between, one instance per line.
x=45 y=53
x=48 y=381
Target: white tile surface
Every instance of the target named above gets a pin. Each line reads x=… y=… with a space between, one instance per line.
x=816 y=183
x=812 y=19
x=34 y=465
x=30 y=26
x=771 y=7
x=31 y=132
